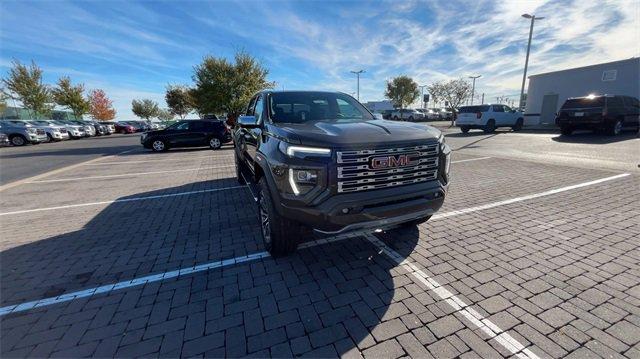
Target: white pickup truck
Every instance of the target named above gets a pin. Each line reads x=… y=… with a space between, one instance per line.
x=488 y=118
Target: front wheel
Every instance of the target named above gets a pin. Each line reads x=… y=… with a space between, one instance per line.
x=518 y=125
x=464 y=129
x=18 y=140
x=159 y=146
x=615 y=129
x=215 y=143
x=395 y=118
x=410 y=118
x=280 y=235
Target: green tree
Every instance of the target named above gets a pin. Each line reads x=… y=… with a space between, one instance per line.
x=225 y=87
x=145 y=109
x=3 y=102
x=165 y=115
x=402 y=91
x=71 y=97
x=179 y=100
x=24 y=84
x=454 y=92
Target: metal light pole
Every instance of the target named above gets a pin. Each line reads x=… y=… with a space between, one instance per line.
x=526 y=61
x=422 y=94
x=473 y=87
x=358 y=75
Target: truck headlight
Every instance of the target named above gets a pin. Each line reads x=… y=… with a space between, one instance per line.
x=31 y=130
x=302 y=180
x=303 y=151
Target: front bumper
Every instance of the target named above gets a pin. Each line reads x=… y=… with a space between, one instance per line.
x=377 y=209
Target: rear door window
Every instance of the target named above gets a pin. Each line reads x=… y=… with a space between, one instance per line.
x=197 y=126
x=615 y=101
x=473 y=109
x=498 y=108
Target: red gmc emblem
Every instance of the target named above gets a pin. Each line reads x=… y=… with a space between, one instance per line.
x=393 y=161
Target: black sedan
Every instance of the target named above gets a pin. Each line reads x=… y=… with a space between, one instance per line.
x=188 y=133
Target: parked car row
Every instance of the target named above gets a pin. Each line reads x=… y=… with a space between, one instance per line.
x=429 y=114
x=23 y=132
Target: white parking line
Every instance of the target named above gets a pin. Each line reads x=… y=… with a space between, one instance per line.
x=503 y=337
x=46 y=174
x=471 y=159
x=121 y=200
x=127 y=174
x=528 y=197
x=154 y=160
x=489 y=328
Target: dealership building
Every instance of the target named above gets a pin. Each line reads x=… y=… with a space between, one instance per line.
x=548 y=91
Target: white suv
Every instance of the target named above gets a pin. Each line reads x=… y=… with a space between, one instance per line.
x=488 y=118
x=407 y=115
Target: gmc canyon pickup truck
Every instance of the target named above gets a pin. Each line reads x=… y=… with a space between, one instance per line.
x=322 y=161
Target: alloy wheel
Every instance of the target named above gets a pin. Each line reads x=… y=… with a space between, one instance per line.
x=264 y=222
x=17 y=141
x=215 y=143
x=158 y=145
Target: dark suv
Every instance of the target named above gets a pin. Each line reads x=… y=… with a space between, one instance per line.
x=188 y=133
x=610 y=113
x=321 y=160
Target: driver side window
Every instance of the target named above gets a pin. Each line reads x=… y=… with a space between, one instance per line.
x=259 y=110
x=183 y=126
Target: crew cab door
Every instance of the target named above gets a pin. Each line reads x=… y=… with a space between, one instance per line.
x=197 y=134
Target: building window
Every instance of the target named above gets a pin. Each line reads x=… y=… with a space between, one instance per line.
x=609 y=75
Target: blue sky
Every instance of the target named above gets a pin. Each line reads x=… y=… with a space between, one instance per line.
x=134 y=49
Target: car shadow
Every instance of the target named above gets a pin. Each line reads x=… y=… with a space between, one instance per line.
x=344 y=287
x=592 y=138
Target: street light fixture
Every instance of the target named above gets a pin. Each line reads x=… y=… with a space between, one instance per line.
x=473 y=87
x=526 y=61
x=358 y=75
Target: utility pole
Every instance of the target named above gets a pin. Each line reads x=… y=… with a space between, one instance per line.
x=358 y=76
x=473 y=88
x=482 y=103
x=424 y=105
x=526 y=61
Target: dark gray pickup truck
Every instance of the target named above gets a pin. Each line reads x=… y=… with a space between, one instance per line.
x=322 y=161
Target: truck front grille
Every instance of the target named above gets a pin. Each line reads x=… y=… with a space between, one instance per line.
x=363 y=170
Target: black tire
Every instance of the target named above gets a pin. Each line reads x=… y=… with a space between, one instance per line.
x=518 y=126
x=395 y=118
x=18 y=140
x=416 y=222
x=410 y=118
x=615 y=128
x=280 y=235
x=49 y=138
x=464 y=129
x=238 y=169
x=158 y=145
x=566 y=130
x=214 y=143
x=490 y=127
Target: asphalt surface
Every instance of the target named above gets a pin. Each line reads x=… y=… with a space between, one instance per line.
x=160 y=254
x=18 y=163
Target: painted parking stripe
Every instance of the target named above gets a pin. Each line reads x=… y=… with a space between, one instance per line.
x=144 y=198
x=154 y=160
x=528 y=197
x=471 y=159
x=59 y=170
x=127 y=174
x=460 y=307
x=162 y=276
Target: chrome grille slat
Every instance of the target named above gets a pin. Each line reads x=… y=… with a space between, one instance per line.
x=355 y=172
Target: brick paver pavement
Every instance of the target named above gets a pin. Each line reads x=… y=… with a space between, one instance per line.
x=560 y=273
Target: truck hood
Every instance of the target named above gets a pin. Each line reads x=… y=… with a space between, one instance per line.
x=371 y=133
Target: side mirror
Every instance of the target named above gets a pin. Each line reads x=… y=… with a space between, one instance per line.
x=247 y=121
x=378 y=116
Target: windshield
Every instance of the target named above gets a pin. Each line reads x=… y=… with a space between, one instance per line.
x=584 y=102
x=300 y=107
x=473 y=109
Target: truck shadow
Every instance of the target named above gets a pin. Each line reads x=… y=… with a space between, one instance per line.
x=342 y=287
x=592 y=138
